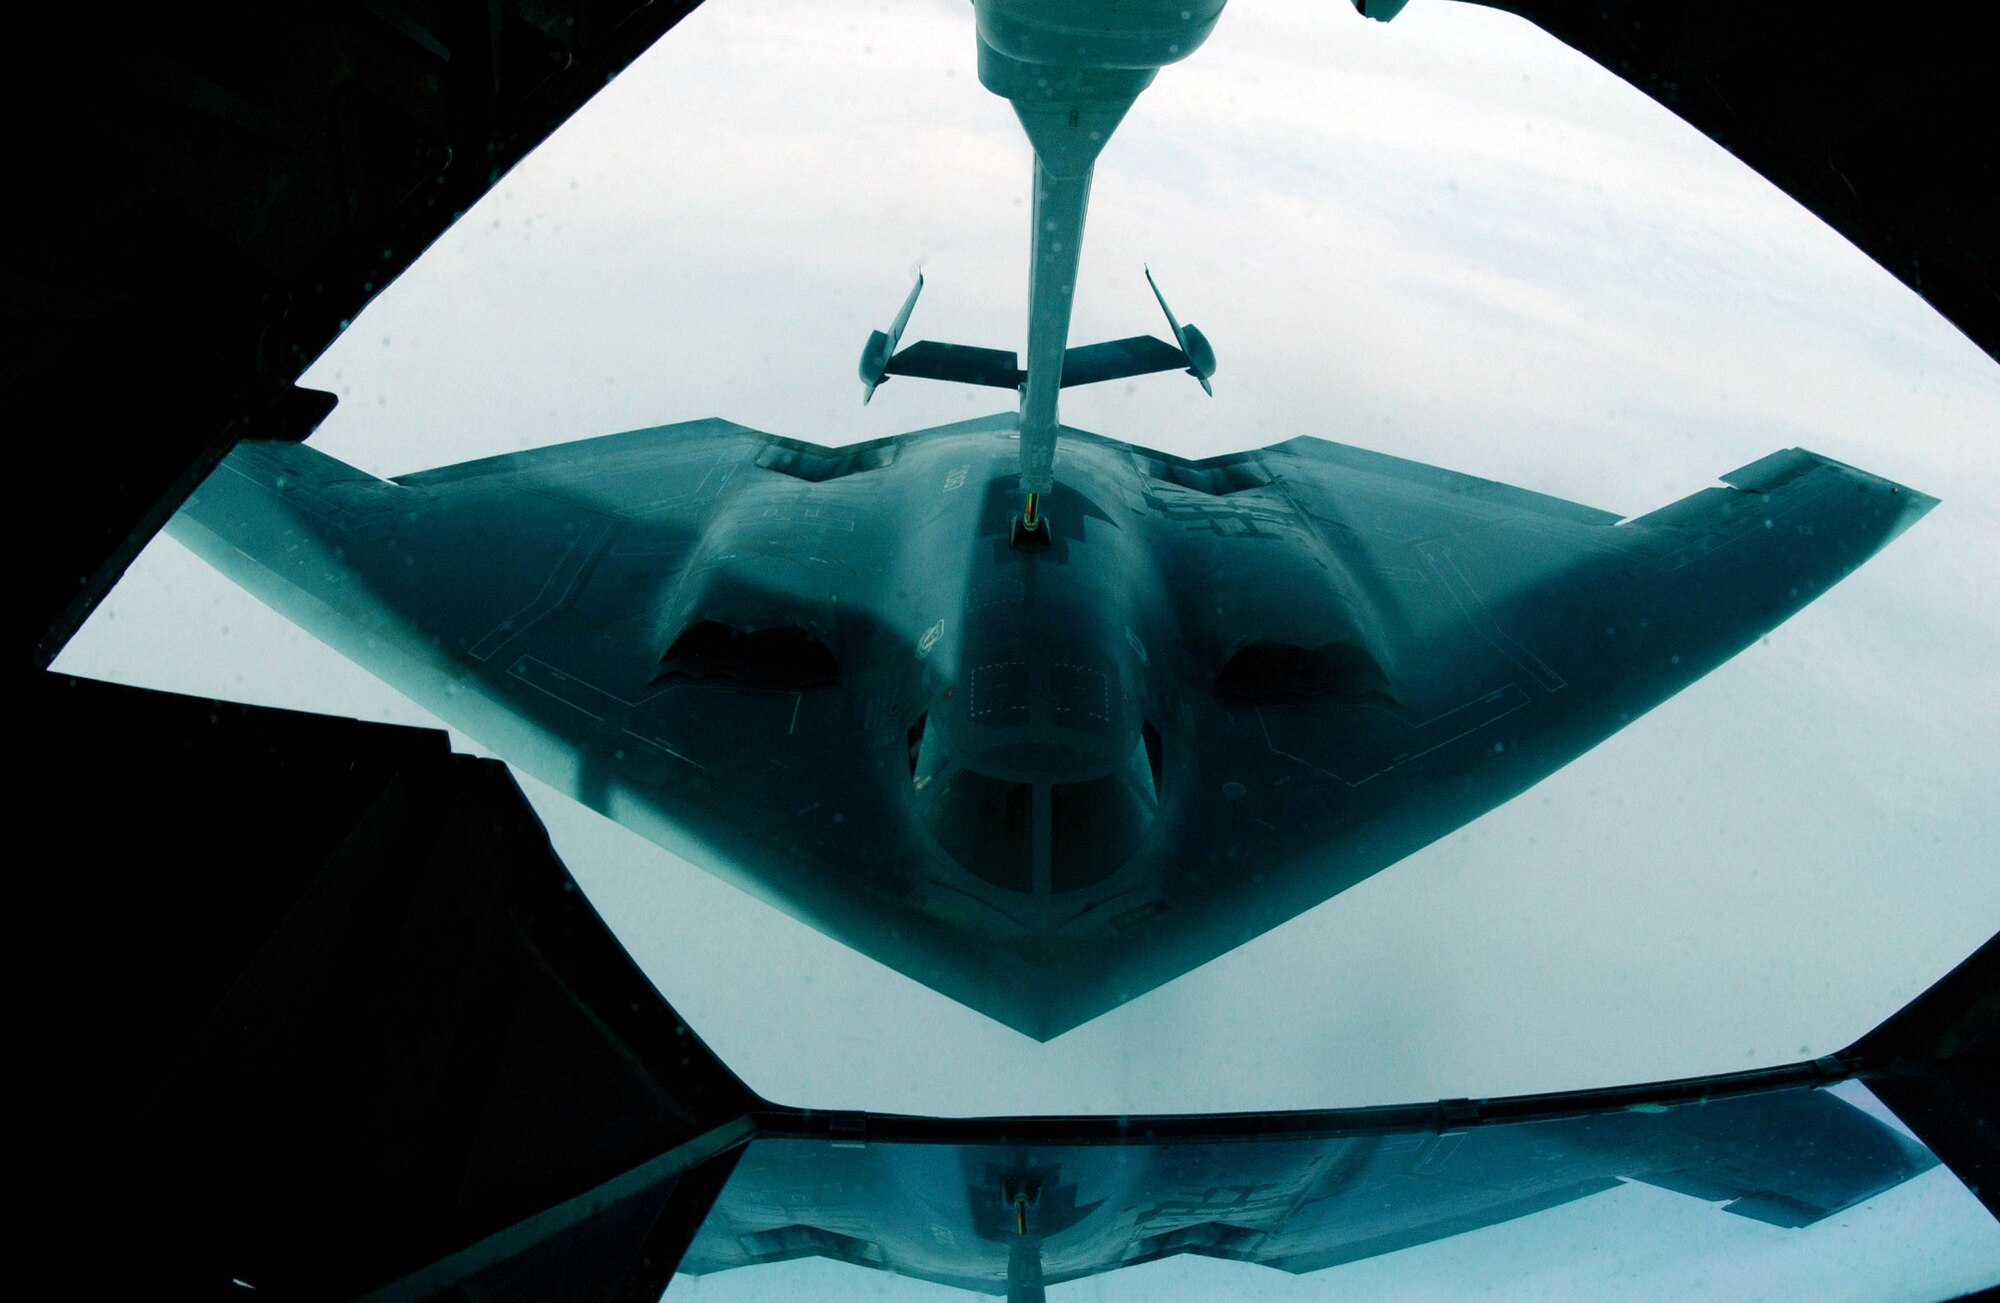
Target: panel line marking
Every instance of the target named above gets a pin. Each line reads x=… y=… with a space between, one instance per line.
x=556 y=590
x=1474 y=608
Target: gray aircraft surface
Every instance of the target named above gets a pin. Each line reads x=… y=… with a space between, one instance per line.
x=1041 y=733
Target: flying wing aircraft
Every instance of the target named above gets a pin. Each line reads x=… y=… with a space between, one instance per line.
x=1039 y=733
x=1039 y=780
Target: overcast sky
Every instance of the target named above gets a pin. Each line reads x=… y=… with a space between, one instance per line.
x=1447 y=238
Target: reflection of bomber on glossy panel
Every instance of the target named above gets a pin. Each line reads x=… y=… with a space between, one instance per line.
x=1041 y=731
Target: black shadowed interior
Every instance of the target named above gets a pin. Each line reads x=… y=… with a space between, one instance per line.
x=1276 y=671
x=786 y=657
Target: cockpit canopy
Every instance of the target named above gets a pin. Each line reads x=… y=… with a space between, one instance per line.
x=1044 y=838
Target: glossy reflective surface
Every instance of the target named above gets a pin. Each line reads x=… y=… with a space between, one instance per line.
x=1750 y=1196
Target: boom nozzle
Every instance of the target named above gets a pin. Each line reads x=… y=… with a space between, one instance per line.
x=1030 y=532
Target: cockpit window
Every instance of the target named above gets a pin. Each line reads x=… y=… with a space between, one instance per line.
x=1043 y=838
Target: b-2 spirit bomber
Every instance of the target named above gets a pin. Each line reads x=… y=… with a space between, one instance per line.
x=1040 y=732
